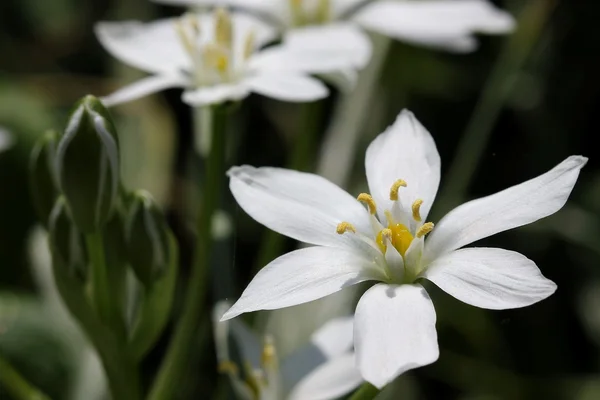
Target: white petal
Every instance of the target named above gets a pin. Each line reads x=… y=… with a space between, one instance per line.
x=303 y=206
x=144 y=87
x=437 y=23
x=394 y=331
x=287 y=86
x=335 y=337
x=217 y=94
x=406 y=151
x=302 y=276
x=153 y=47
x=491 y=278
x=341 y=9
x=329 y=381
x=513 y=207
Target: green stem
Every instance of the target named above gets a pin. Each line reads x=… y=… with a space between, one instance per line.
x=177 y=356
x=17 y=385
x=351 y=114
x=495 y=93
x=120 y=370
x=99 y=278
x=365 y=392
x=301 y=159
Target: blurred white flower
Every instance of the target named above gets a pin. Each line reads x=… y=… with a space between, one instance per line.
x=395 y=319
x=215 y=56
x=324 y=25
x=320 y=370
x=6 y=139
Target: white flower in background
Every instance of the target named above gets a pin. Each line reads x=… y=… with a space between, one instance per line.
x=335 y=25
x=6 y=139
x=215 y=56
x=320 y=370
x=394 y=328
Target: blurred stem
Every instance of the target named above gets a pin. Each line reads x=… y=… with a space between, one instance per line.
x=99 y=278
x=497 y=90
x=176 y=359
x=301 y=159
x=349 y=118
x=365 y=392
x=16 y=385
x=120 y=370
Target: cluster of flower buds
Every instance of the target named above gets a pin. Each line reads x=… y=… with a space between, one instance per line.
x=96 y=228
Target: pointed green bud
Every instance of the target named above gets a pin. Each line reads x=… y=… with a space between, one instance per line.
x=42 y=175
x=66 y=241
x=88 y=165
x=146 y=238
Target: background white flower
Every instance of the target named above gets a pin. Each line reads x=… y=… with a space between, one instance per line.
x=6 y=139
x=335 y=24
x=215 y=56
x=395 y=319
x=320 y=370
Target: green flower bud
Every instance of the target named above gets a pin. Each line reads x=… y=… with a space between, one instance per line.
x=42 y=175
x=146 y=238
x=66 y=241
x=88 y=165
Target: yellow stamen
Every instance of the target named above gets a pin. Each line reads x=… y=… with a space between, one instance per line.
x=249 y=44
x=194 y=23
x=187 y=43
x=227 y=367
x=344 y=227
x=368 y=200
x=323 y=11
x=297 y=11
x=425 y=229
x=395 y=188
x=381 y=239
x=269 y=355
x=223 y=28
x=416 y=210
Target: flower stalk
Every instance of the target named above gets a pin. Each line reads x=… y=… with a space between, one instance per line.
x=178 y=352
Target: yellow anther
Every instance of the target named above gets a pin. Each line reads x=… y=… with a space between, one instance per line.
x=297 y=10
x=395 y=188
x=227 y=367
x=344 y=227
x=425 y=229
x=416 y=210
x=268 y=357
x=223 y=28
x=368 y=200
x=249 y=44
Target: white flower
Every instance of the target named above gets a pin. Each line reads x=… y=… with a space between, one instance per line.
x=320 y=370
x=215 y=57
x=394 y=327
x=333 y=27
x=6 y=139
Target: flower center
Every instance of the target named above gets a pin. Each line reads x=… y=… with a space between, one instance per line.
x=400 y=230
x=214 y=61
x=310 y=12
